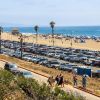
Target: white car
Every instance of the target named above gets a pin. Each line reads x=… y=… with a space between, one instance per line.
x=27 y=58
x=10 y=66
x=26 y=74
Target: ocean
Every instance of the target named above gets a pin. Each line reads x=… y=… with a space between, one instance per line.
x=74 y=31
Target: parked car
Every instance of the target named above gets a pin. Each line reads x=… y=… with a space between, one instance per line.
x=57 y=55
x=26 y=74
x=42 y=60
x=53 y=64
x=67 y=67
x=10 y=67
x=96 y=63
x=35 y=59
x=51 y=54
x=28 y=58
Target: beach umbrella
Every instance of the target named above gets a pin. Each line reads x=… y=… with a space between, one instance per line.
x=36 y=30
x=52 y=24
x=1 y=30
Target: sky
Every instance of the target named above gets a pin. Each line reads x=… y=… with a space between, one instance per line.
x=41 y=12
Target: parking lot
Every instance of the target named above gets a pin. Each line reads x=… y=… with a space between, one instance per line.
x=54 y=57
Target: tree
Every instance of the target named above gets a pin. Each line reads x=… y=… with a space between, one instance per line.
x=52 y=24
x=36 y=30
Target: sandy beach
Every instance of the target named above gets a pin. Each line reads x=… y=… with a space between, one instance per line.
x=89 y=43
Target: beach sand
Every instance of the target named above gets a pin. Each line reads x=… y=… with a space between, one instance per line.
x=89 y=44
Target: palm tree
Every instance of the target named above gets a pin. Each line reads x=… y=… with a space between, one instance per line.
x=36 y=30
x=1 y=30
x=52 y=24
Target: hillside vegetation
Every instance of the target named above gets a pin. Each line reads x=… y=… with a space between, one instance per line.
x=92 y=83
x=18 y=88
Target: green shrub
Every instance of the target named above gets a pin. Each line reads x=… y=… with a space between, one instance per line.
x=30 y=89
x=6 y=77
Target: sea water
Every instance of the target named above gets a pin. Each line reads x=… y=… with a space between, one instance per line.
x=74 y=31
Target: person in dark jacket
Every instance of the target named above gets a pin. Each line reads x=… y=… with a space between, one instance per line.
x=75 y=80
x=84 y=81
x=61 y=80
x=57 y=79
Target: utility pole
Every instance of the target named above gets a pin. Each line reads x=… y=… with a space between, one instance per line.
x=21 y=45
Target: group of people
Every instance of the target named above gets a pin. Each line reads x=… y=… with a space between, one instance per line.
x=84 y=80
x=58 y=80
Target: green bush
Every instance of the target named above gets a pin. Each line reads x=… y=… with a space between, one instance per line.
x=29 y=89
x=6 y=77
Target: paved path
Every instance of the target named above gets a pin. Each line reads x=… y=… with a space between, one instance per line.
x=42 y=79
x=2 y=64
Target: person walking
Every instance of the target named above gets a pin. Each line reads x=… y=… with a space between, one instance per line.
x=75 y=80
x=57 y=80
x=50 y=81
x=84 y=81
x=61 y=80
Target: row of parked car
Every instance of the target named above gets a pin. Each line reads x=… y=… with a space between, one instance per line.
x=80 y=70
x=50 y=62
x=87 y=57
x=13 y=68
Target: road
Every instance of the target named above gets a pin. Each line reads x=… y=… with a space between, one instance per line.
x=42 y=79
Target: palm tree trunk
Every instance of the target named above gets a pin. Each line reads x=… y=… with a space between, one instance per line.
x=53 y=36
x=36 y=37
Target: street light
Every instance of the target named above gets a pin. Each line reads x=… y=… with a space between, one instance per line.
x=21 y=44
x=1 y=30
x=52 y=24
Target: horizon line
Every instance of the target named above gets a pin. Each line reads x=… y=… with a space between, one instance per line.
x=56 y=26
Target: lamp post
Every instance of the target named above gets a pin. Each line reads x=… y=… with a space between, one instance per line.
x=21 y=45
x=1 y=30
x=52 y=24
